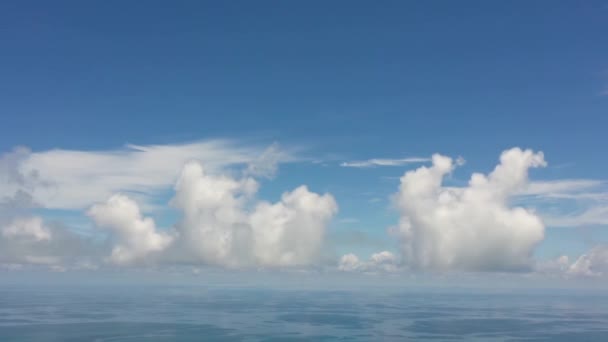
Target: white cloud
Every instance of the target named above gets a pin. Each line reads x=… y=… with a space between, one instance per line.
x=593 y=263
x=593 y=216
x=384 y=261
x=470 y=228
x=218 y=229
x=563 y=188
x=383 y=162
x=291 y=232
x=568 y=202
x=72 y=179
x=214 y=227
x=136 y=236
x=29 y=241
x=28 y=228
x=557 y=266
x=266 y=164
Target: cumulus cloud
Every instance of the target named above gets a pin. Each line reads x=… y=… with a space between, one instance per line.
x=291 y=231
x=384 y=261
x=470 y=228
x=73 y=179
x=214 y=227
x=27 y=228
x=16 y=184
x=556 y=266
x=221 y=224
x=217 y=227
x=30 y=241
x=593 y=263
x=136 y=236
x=383 y=162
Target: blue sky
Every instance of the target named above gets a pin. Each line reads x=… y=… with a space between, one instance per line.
x=331 y=82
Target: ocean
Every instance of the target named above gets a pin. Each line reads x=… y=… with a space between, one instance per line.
x=157 y=313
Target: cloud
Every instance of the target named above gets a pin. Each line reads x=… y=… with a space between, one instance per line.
x=563 y=188
x=15 y=184
x=221 y=221
x=136 y=236
x=73 y=179
x=593 y=216
x=217 y=228
x=291 y=231
x=568 y=202
x=592 y=264
x=221 y=224
x=28 y=228
x=471 y=228
x=383 y=162
x=266 y=164
x=384 y=261
x=557 y=266
x=30 y=241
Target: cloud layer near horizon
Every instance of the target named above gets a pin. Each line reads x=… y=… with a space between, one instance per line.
x=479 y=227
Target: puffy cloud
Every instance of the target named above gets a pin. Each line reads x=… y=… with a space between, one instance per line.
x=136 y=236
x=29 y=241
x=384 y=261
x=556 y=266
x=470 y=228
x=383 y=162
x=291 y=231
x=214 y=225
x=73 y=179
x=16 y=184
x=349 y=262
x=218 y=229
x=28 y=228
x=593 y=263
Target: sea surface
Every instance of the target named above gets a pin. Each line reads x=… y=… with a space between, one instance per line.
x=131 y=313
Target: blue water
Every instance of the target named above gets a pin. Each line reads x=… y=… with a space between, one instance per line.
x=215 y=314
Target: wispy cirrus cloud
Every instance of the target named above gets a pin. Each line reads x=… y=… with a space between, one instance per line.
x=374 y=162
x=563 y=188
x=596 y=215
x=75 y=179
x=588 y=200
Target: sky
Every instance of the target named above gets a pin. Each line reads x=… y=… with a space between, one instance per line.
x=342 y=137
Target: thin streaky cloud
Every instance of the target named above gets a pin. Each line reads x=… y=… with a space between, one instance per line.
x=562 y=186
x=594 y=216
x=76 y=179
x=383 y=162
